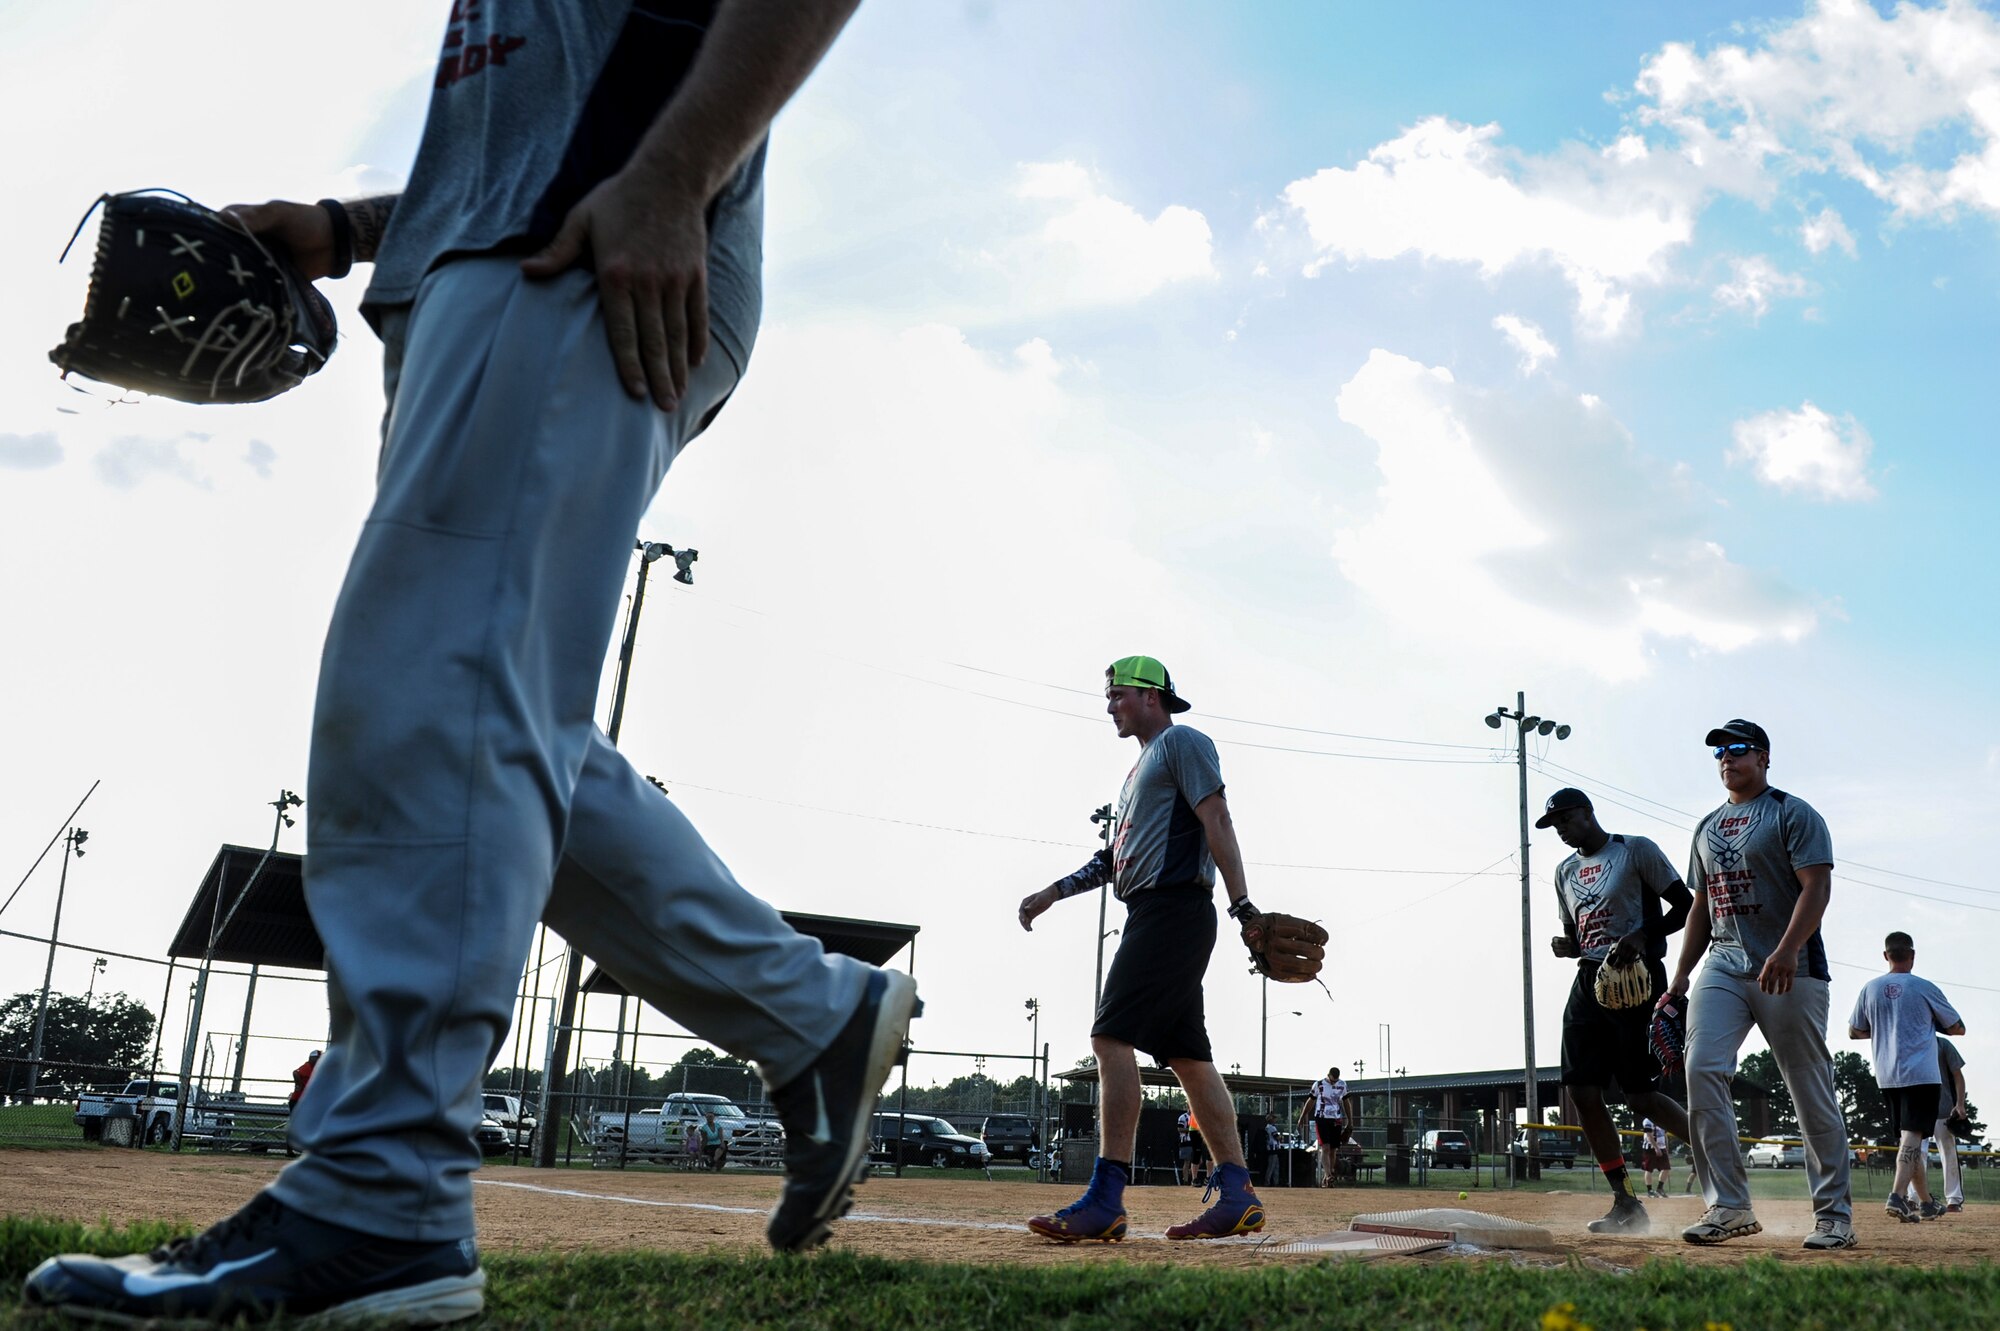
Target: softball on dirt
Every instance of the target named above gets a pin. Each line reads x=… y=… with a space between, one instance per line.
x=1461 y=1196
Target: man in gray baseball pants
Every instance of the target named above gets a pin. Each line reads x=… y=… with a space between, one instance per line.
x=1761 y=869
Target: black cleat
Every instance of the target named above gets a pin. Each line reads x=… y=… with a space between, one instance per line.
x=825 y=1111
x=265 y=1261
x=1627 y=1216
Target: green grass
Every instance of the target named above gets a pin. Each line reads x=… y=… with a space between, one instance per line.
x=841 y=1292
x=39 y=1125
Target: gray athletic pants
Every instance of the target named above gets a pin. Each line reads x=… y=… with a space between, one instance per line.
x=1721 y=1010
x=459 y=790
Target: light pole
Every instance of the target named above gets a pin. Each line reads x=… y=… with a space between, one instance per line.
x=1102 y=817
x=1524 y=725
x=96 y=969
x=564 y=1015
x=1034 y=1007
x=72 y=845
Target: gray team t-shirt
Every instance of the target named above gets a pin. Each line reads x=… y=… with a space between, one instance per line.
x=534 y=103
x=1604 y=897
x=1156 y=840
x=1949 y=1061
x=1746 y=857
x=1901 y=1015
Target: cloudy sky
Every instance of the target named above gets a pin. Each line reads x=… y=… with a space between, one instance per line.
x=1367 y=365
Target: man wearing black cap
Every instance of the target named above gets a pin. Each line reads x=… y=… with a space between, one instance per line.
x=1762 y=873
x=1171 y=837
x=1610 y=893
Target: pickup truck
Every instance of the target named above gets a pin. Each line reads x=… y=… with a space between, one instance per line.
x=661 y=1134
x=153 y=1105
x=515 y=1119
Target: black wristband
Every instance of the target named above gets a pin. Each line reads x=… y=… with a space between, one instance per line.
x=343 y=237
x=1241 y=911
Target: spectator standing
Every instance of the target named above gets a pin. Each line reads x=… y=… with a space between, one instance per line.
x=1951 y=1101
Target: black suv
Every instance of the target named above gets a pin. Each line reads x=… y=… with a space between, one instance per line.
x=915 y=1138
x=1008 y=1136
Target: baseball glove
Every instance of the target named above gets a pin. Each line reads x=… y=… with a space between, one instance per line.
x=1668 y=1035
x=1620 y=987
x=186 y=303
x=1284 y=947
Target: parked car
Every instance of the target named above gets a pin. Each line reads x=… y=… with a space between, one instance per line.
x=925 y=1139
x=492 y=1138
x=153 y=1105
x=1008 y=1136
x=1554 y=1147
x=511 y=1114
x=661 y=1134
x=1774 y=1154
x=1445 y=1149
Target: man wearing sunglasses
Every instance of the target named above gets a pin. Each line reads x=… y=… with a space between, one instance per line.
x=1762 y=871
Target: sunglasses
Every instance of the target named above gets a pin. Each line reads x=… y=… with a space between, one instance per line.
x=1736 y=750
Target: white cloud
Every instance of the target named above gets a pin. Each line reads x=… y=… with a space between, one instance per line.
x=130 y=459
x=1824 y=230
x=1444 y=191
x=1754 y=282
x=1535 y=525
x=258 y=456
x=1807 y=452
x=1092 y=249
x=1526 y=338
x=30 y=452
x=1880 y=100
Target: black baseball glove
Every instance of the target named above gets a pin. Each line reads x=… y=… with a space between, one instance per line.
x=185 y=303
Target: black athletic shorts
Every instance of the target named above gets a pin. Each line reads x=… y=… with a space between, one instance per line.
x=1912 y=1109
x=1601 y=1046
x=1152 y=993
x=1332 y=1131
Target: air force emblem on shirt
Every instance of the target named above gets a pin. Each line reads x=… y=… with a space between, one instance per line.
x=1727 y=835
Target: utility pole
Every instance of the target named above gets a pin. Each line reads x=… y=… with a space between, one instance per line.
x=72 y=846
x=557 y=1065
x=1524 y=726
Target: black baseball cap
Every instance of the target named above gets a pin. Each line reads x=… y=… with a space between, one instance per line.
x=1569 y=797
x=1732 y=732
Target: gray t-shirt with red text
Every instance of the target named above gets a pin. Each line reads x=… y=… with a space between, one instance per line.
x=1746 y=856
x=1605 y=896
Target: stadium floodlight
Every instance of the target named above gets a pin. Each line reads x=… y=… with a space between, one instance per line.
x=1546 y=728
x=1562 y=732
x=1530 y=722
x=1494 y=721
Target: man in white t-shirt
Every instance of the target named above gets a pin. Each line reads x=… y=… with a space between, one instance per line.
x=1902 y=1015
x=1653 y=1157
x=1325 y=1110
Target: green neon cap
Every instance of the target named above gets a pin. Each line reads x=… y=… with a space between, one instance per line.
x=1145 y=672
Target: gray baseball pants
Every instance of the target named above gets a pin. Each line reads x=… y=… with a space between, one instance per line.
x=1721 y=1010
x=459 y=790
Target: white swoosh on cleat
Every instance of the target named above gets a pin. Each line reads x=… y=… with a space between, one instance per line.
x=141 y=1285
x=822 y=1132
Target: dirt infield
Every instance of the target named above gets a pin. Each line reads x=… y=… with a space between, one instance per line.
x=935 y=1219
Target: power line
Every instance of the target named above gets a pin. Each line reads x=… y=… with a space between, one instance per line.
x=1872 y=868
x=1238 y=720
x=1043 y=841
x=1441 y=891
x=1839 y=869
x=1954 y=984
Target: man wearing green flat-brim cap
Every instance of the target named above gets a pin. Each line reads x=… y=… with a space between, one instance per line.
x=1170 y=836
x=1145 y=672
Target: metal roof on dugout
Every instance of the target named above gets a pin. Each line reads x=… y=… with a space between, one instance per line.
x=270 y=927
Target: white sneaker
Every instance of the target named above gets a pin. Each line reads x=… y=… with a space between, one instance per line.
x=1720 y=1224
x=1828 y=1234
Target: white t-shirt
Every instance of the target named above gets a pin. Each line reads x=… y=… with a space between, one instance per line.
x=1329 y=1097
x=1656 y=1136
